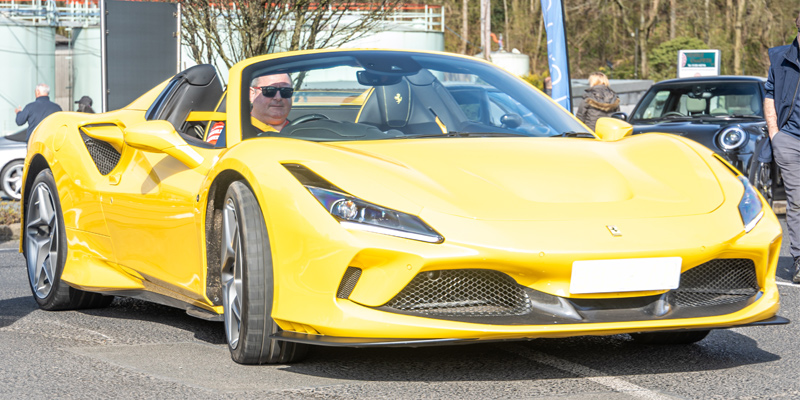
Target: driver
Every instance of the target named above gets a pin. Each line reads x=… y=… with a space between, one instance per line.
x=271 y=99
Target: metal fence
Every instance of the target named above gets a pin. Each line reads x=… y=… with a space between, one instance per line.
x=76 y=13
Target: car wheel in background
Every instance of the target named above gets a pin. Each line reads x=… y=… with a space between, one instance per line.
x=762 y=175
x=247 y=283
x=46 y=251
x=675 y=337
x=11 y=178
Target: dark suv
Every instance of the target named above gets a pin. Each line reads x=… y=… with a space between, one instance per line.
x=724 y=113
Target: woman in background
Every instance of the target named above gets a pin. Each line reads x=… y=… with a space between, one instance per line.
x=598 y=100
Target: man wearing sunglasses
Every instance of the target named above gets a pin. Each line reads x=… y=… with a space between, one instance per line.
x=271 y=97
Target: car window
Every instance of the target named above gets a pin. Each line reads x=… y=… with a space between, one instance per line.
x=359 y=95
x=655 y=107
x=700 y=99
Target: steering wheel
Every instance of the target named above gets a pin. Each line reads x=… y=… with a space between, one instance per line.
x=673 y=114
x=298 y=121
x=306 y=118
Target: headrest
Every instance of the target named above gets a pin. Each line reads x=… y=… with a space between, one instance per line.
x=695 y=105
x=394 y=103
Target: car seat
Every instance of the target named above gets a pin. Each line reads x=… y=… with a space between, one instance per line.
x=411 y=106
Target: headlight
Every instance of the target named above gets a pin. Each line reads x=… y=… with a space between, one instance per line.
x=354 y=213
x=732 y=138
x=750 y=206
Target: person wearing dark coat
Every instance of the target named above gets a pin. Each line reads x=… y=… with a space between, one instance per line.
x=598 y=101
x=85 y=105
x=36 y=111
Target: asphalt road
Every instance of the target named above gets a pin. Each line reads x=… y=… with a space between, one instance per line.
x=135 y=349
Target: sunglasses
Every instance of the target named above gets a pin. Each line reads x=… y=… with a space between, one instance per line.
x=271 y=91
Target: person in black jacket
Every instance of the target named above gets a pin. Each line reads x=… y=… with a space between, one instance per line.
x=39 y=109
x=85 y=105
x=782 y=113
x=598 y=101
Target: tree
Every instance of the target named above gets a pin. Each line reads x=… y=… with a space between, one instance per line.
x=664 y=58
x=232 y=30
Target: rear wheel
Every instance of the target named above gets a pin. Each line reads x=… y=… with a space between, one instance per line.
x=676 y=337
x=247 y=283
x=46 y=251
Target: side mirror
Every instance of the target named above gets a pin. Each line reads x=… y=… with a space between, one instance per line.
x=620 y=115
x=511 y=121
x=161 y=137
x=612 y=129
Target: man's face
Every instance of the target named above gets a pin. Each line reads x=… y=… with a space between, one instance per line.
x=272 y=111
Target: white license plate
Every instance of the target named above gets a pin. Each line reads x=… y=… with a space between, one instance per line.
x=625 y=275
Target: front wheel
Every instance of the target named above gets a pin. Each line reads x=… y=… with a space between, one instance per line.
x=46 y=251
x=762 y=176
x=247 y=283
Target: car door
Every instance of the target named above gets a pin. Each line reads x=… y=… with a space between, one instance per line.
x=151 y=204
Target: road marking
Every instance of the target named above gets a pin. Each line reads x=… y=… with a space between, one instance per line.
x=789 y=284
x=615 y=384
x=9 y=250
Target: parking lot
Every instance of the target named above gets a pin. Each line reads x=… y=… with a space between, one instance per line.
x=135 y=349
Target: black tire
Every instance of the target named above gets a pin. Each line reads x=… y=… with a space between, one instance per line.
x=11 y=179
x=762 y=175
x=669 y=338
x=46 y=251
x=246 y=257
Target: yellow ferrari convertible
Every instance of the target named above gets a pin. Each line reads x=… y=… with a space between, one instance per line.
x=390 y=198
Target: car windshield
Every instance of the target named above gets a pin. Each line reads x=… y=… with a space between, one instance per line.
x=370 y=95
x=692 y=100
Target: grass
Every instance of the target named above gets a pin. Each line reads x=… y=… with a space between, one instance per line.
x=9 y=212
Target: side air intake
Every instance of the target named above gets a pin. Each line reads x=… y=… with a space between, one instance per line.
x=105 y=156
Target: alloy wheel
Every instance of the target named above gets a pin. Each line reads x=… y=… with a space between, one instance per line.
x=12 y=181
x=231 y=273
x=41 y=231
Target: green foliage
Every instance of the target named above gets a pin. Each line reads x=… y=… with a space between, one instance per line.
x=536 y=80
x=9 y=212
x=663 y=59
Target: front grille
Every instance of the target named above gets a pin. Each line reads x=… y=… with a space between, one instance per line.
x=462 y=293
x=348 y=283
x=104 y=155
x=719 y=281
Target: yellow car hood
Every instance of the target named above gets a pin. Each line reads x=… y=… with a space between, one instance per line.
x=646 y=176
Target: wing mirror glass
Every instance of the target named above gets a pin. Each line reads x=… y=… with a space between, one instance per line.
x=612 y=129
x=160 y=137
x=511 y=121
x=620 y=115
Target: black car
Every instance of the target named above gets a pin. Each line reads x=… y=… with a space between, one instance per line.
x=724 y=113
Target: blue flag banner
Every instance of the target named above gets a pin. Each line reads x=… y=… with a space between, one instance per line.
x=553 y=14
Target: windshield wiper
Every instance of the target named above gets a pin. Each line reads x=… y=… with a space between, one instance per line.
x=577 y=134
x=743 y=116
x=461 y=134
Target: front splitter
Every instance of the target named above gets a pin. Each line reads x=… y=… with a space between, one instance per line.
x=334 y=341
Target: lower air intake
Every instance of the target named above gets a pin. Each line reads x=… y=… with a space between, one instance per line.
x=348 y=283
x=462 y=293
x=719 y=281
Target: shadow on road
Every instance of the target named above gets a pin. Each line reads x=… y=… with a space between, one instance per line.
x=133 y=309
x=605 y=356
x=12 y=310
x=784 y=270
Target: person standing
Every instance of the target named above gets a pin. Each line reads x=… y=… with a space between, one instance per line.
x=782 y=112
x=548 y=86
x=85 y=105
x=598 y=100
x=36 y=111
